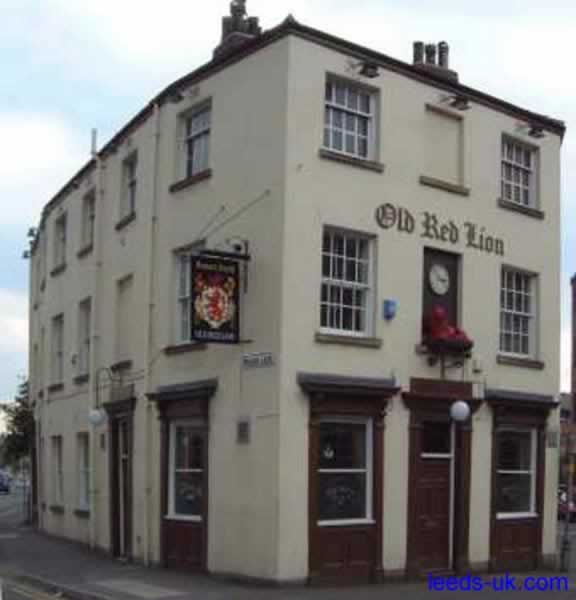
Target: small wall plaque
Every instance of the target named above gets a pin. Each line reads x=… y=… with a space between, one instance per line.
x=258 y=359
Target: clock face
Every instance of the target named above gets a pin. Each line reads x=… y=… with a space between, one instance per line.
x=439 y=279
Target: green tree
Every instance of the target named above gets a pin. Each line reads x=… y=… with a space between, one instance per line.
x=19 y=417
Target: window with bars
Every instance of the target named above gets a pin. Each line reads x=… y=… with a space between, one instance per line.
x=196 y=141
x=187 y=463
x=84 y=316
x=515 y=471
x=519 y=164
x=349 y=116
x=57 y=354
x=83 y=442
x=347 y=287
x=345 y=470
x=129 y=185
x=88 y=216
x=517 y=312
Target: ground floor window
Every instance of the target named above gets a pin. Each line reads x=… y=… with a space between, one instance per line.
x=345 y=471
x=515 y=471
x=186 y=470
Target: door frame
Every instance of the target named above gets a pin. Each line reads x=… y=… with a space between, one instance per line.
x=174 y=403
x=430 y=399
x=118 y=411
x=337 y=396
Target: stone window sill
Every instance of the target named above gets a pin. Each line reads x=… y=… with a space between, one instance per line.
x=184 y=348
x=529 y=211
x=124 y=221
x=56 y=509
x=82 y=513
x=445 y=186
x=80 y=379
x=347 y=340
x=518 y=361
x=123 y=365
x=188 y=181
x=84 y=251
x=55 y=387
x=57 y=270
x=351 y=160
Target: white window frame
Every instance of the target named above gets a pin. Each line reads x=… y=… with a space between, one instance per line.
x=129 y=185
x=368 y=422
x=368 y=287
x=184 y=291
x=519 y=169
x=58 y=471
x=83 y=441
x=57 y=350
x=533 y=471
x=88 y=217
x=190 y=139
x=511 y=311
x=60 y=226
x=84 y=331
x=171 y=513
x=331 y=106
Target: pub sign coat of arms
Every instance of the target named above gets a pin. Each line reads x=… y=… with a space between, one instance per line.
x=215 y=300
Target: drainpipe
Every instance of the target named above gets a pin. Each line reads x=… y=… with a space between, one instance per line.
x=95 y=345
x=150 y=354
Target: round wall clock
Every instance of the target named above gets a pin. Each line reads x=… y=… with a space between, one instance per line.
x=439 y=279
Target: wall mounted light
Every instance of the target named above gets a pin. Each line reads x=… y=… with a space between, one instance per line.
x=536 y=131
x=457 y=101
x=369 y=69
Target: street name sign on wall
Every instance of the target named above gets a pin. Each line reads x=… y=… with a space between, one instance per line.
x=215 y=300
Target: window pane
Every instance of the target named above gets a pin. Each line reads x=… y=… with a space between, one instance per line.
x=342 y=496
x=342 y=446
x=189 y=449
x=436 y=437
x=513 y=493
x=514 y=450
x=188 y=493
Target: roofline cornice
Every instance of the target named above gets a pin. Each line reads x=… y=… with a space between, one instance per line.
x=292 y=27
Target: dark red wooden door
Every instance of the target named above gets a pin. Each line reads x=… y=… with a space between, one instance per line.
x=432 y=483
x=185 y=517
x=433 y=514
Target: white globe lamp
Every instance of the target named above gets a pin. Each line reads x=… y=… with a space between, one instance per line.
x=96 y=417
x=460 y=411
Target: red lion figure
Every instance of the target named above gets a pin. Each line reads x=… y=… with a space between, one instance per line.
x=443 y=338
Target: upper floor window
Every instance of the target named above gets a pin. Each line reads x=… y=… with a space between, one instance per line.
x=129 y=186
x=84 y=317
x=196 y=141
x=88 y=216
x=60 y=241
x=517 y=312
x=346 y=304
x=57 y=350
x=519 y=172
x=349 y=119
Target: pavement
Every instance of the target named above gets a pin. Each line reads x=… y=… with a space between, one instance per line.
x=34 y=566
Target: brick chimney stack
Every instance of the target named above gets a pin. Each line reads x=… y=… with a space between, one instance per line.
x=237 y=29
x=434 y=58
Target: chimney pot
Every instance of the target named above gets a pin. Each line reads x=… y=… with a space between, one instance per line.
x=443 y=55
x=430 y=54
x=418 y=53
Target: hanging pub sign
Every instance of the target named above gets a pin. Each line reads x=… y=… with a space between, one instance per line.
x=215 y=300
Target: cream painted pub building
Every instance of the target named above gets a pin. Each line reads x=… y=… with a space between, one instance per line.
x=390 y=239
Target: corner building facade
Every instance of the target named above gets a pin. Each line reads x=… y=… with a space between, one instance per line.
x=361 y=196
